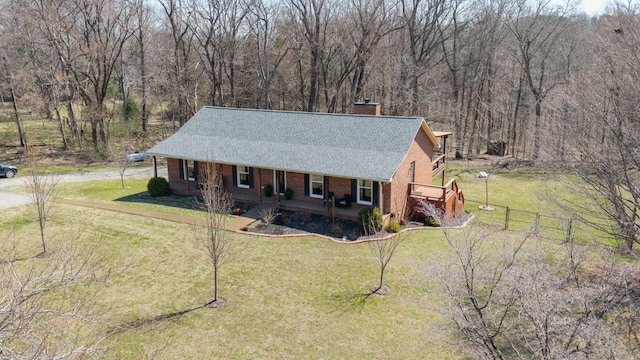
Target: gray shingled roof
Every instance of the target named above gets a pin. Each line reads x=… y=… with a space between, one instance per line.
x=352 y=146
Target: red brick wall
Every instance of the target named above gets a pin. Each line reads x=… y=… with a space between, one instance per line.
x=173 y=169
x=339 y=187
x=394 y=194
x=366 y=108
x=420 y=151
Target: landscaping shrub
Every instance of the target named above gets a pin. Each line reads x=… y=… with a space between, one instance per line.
x=268 y=190
x=158 y=186
x=288 y=193
x=431 y=221
x=370 y=219
x=393 y=226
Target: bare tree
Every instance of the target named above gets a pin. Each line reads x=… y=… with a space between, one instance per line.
x=270 y=50
x=607 y=133
x=47 y=309
x=312 y=16
x=512 y=299
x=89 y=48
x=142 y=27
x=421 y=23
x=480 y=299
x=382 y=251
x=41 y=187
x=216 y=242
x=10 y=82
x=121 y=162
x=538 y=29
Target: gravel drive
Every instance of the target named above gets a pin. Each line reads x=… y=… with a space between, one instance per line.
x=12 y=190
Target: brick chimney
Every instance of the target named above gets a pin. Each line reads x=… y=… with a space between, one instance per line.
x=366 y=108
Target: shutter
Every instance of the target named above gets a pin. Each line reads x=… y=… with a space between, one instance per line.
x=234 y=175
x=376 y=193
x=181 y=168
x=195 y=170
x=251 y=178
x=307 y=190
x=325 y=186
x=354 y=190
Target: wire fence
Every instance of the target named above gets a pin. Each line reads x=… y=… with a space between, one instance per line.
x=523 y=220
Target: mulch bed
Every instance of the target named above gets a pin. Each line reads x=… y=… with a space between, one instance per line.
x=298 y=223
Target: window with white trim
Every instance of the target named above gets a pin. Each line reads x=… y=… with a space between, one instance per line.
x=365 y=192
x=188 y=169
x=243 y=176
x=316 y=184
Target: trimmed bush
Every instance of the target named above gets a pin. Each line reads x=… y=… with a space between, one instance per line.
x=431 y=221
x=393 y=226
x=158 y=186
x=288 y=193
x=370 y=219
x=268 y=190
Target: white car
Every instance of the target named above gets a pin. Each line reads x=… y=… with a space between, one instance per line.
x=136 y=156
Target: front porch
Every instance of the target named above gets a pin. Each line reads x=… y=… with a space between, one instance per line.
x=314 y=206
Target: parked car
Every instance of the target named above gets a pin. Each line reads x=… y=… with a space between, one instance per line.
x=136 y=156
x=8 y=170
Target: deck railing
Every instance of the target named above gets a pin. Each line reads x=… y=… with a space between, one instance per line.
x=434 y=192
x=438 y=165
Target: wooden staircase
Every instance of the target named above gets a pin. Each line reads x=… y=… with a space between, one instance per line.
x=448 y=198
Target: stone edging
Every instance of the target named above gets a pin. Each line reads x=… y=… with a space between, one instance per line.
x=338 y=241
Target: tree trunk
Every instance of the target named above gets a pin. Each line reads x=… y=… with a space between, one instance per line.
x=516 y=112
x=21 y=134
x=536 y=132
x=73 y=123
x=313 y=86
x=65 y=143
x=215 y=283
x=143 y=75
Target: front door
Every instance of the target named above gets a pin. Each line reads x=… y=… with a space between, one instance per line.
x=280 y=181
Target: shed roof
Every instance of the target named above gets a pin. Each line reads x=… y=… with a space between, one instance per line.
x=353 y=146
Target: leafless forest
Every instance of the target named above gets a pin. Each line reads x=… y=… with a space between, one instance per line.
x=539 y=75
x=555 y=86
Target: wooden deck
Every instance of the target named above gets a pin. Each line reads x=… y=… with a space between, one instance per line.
x=449 y=198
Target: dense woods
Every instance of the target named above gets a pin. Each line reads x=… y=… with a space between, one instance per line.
x=537 y=75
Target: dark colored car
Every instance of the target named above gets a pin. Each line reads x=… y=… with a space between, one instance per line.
x=8 y=171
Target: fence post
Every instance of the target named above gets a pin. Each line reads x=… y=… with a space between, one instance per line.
x=506 y=219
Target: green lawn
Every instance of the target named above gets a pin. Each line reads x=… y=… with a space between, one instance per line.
x=288 y=298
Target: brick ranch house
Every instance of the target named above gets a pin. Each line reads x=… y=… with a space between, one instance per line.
x=334 y=164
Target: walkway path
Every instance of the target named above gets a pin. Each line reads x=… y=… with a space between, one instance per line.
x=234 y=223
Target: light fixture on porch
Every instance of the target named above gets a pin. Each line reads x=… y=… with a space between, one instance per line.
x=485 y=206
